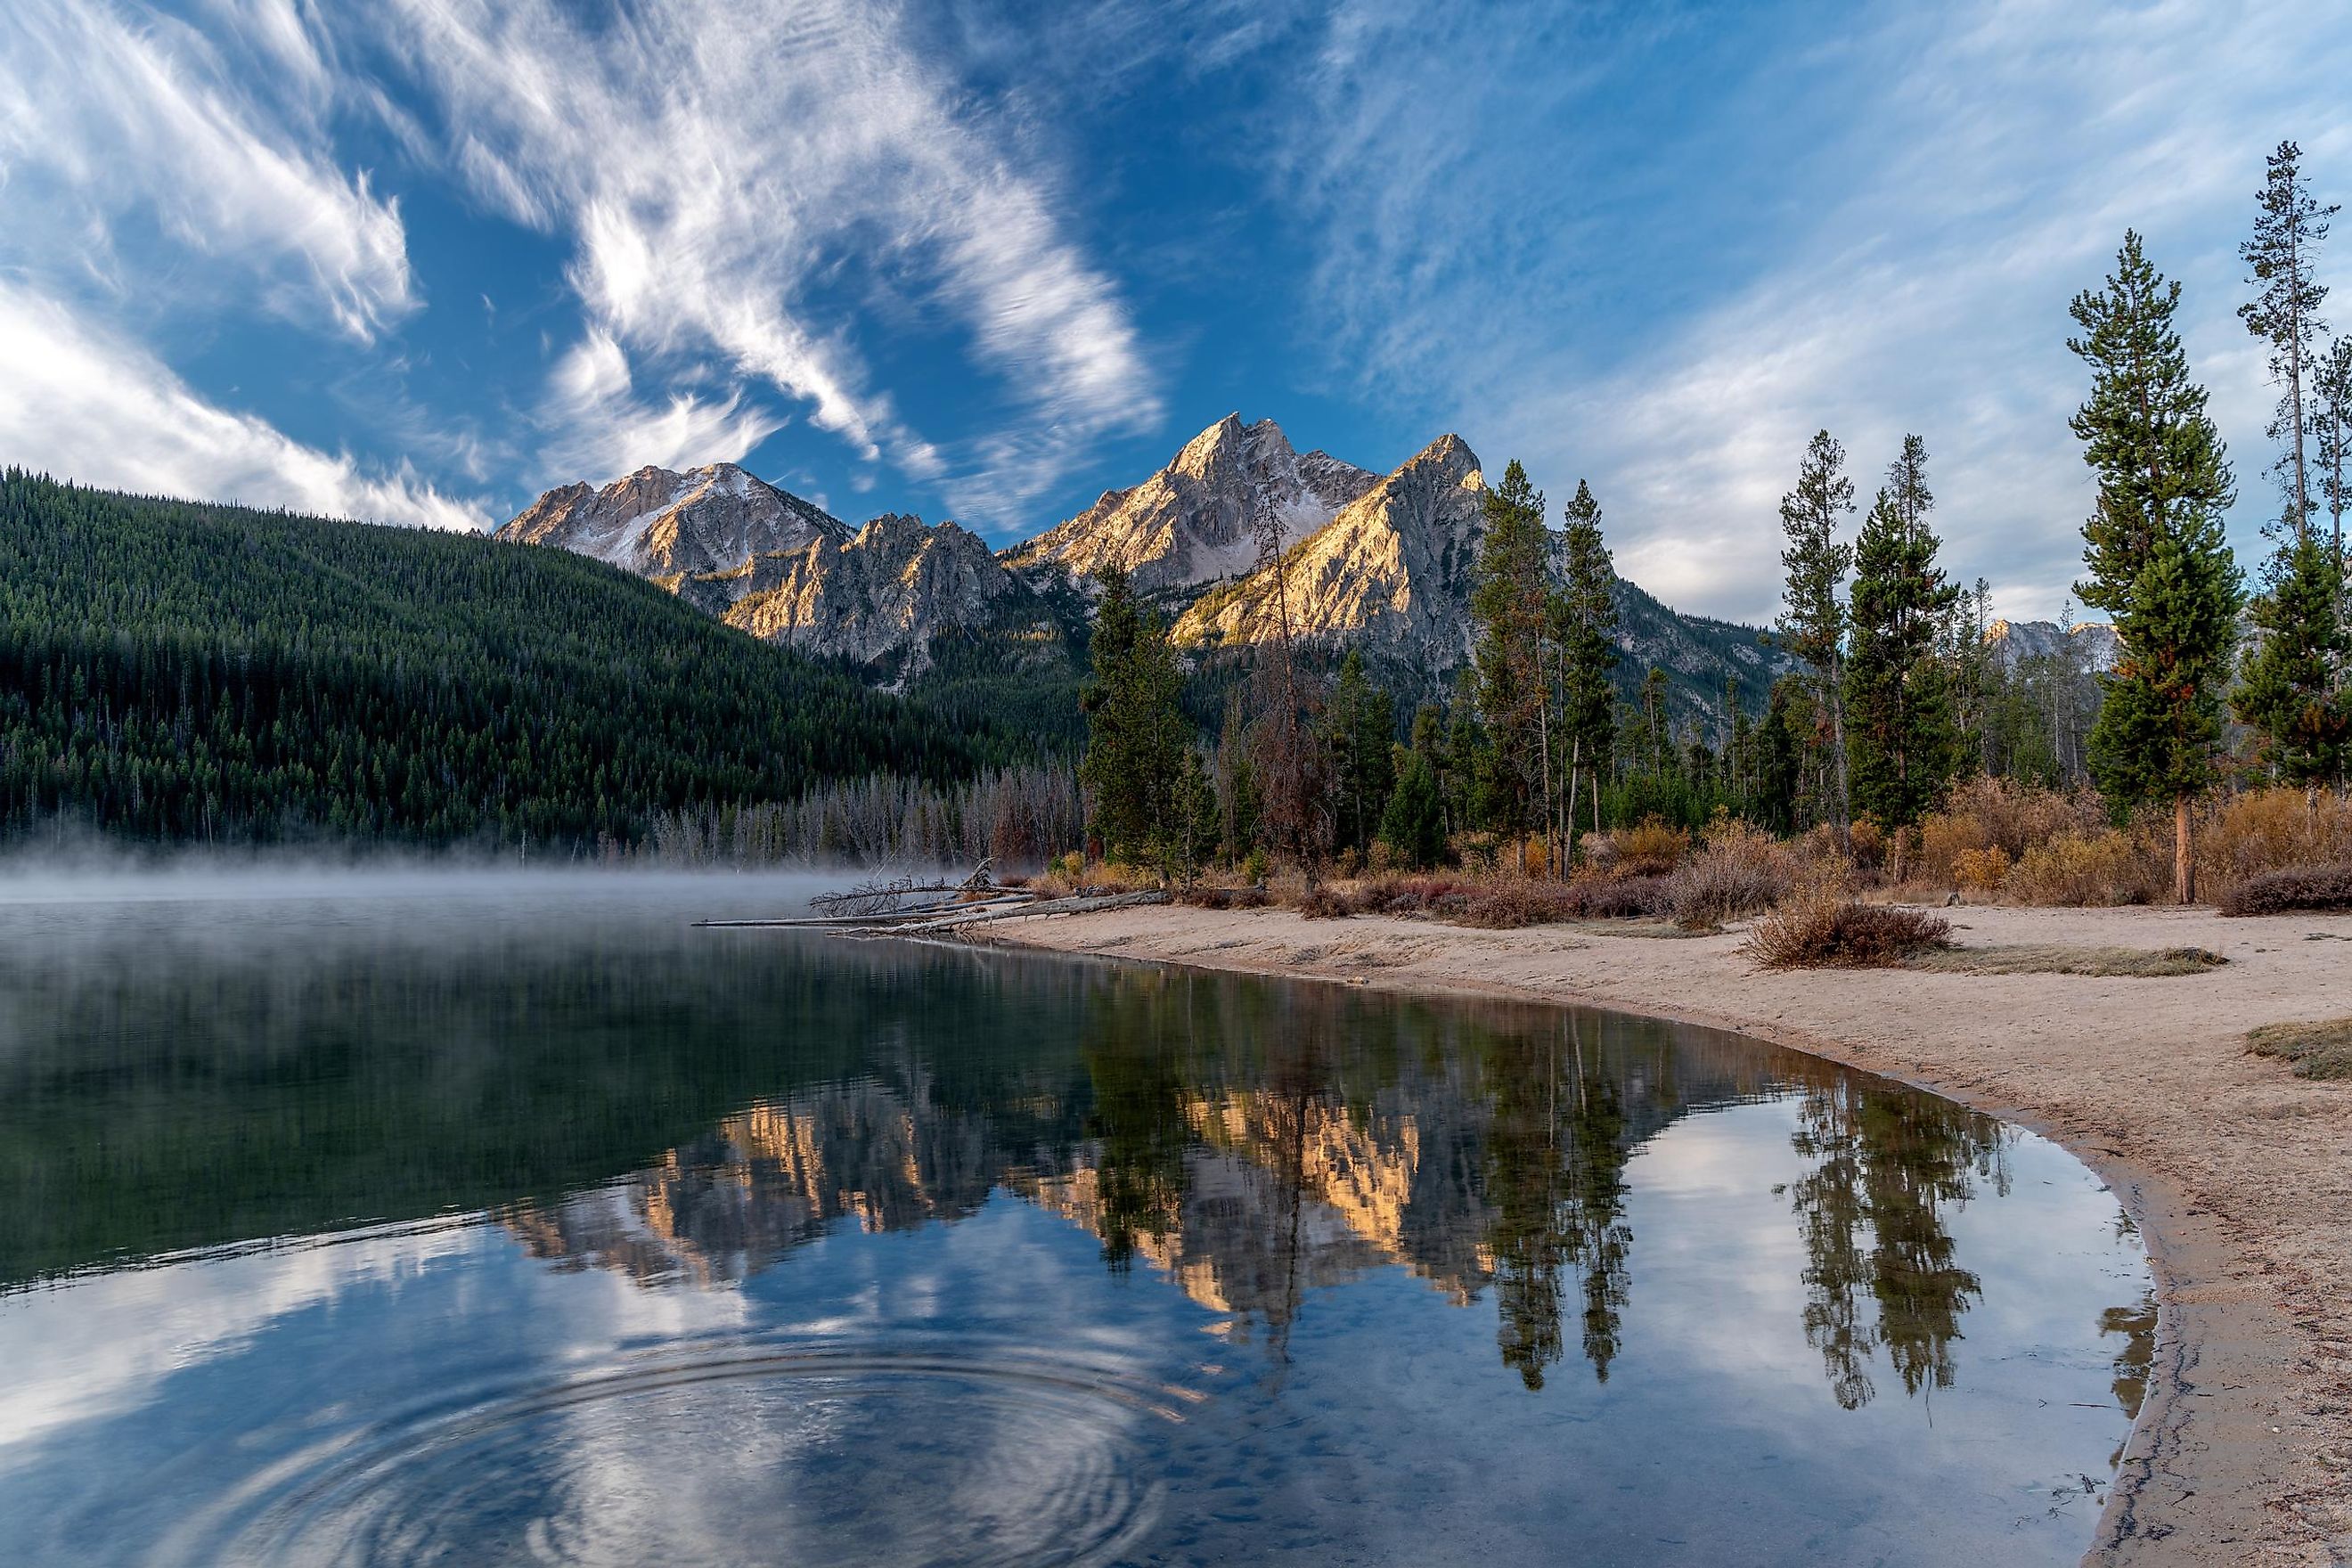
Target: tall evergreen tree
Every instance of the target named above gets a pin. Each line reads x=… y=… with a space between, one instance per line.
x=2154 y=548
x=1899 y=736
x=1413 y=824
x=1136 y=735
x=2331 y=385
x=1508 y=603
x=1585 y=626
x=2284 y=312
x=1362 y=730
x=1236 y=787
x=2289 y=691
x=1812 y=625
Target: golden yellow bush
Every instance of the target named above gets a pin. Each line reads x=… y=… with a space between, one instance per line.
x=1980 y=870
x=2089 y=871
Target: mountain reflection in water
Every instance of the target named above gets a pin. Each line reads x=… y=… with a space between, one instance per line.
x=709 y=1112
x=1272 y=1142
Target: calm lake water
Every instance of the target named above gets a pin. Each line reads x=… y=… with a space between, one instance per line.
x=490 y=1225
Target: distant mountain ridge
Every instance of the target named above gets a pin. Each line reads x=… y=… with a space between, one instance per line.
x=1384 y=563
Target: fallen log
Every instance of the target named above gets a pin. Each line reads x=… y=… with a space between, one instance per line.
x=1071 y=906
x=860 y=923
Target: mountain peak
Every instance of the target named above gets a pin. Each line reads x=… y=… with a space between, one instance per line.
x=1194 y=521
x=659 y=523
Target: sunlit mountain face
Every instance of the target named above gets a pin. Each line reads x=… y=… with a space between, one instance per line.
x=536 y=1221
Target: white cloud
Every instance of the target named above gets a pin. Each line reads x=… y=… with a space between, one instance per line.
x=84 y=405
x=597 y=426
x=735 y=175
x=105 y=113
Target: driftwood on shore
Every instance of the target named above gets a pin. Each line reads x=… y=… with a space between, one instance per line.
x=948 y=915
x=971 y=917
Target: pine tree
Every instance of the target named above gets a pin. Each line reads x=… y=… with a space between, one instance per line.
x=2331 y=385
x=1414 y=823
x=1507 y=602
x=2158 y=561
x=1136 y=741
x=1363 y=735
x=2282 y=254
x=1584 y=626
x=1236 y=787
x=1898 y=711
x=2289 y=691
x=1813 y=626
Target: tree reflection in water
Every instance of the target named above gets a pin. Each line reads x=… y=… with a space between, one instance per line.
x=1887 y=1162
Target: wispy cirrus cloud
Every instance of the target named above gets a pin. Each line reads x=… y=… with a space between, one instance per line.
x=596 y=423
x=79 y=401
x=1940 y=182
x=735 y=177
x=108 y=112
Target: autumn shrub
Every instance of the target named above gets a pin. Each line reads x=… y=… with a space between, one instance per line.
x=1208 y=896
x=2078 y=871
x=1866 y=843
x=1616 y=897
x=1651 y=847
x=1513 y=901
x=1985 y=812
x=2295 y=889
x=1980 y=870
x=1324 y=902
x=2258 y=831
x=1738 y=870
x=1822 y=926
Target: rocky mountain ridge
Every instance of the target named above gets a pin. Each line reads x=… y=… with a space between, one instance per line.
x=1380 y=561
x=1196 y=520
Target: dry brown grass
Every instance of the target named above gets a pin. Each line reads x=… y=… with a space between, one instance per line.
x=2321 y=1050
x=1821 y=926
x=1739 y=871
x=2129 y=962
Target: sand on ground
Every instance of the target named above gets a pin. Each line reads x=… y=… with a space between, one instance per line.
x=2238 y=1173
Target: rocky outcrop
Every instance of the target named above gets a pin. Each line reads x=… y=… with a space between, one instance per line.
x=1394 y=568
x=657 y=524
x=1194 y=521
x=877 y=599
x=2091 y=645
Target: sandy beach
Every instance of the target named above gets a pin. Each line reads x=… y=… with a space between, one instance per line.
x=2238 y=1173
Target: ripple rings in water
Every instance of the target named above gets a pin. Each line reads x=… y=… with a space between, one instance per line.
x=942 y=1453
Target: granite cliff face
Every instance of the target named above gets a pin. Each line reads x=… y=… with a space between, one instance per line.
x=1194 y=521
x=877 y=599
x=2091 y=645
x=1394 y=568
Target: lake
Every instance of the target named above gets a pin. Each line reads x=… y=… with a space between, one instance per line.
x=484 y=1220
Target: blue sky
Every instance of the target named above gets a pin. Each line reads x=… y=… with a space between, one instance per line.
x=419 y=259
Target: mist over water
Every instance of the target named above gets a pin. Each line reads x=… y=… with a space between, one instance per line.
x=429 y=1213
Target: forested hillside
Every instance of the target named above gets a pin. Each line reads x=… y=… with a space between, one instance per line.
x=183 y=671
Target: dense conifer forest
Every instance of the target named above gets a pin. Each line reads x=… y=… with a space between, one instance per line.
x=215 y=674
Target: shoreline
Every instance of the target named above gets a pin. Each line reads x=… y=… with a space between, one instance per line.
x=2236 y=1173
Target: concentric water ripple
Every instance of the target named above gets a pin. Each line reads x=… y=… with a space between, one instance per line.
x=969 y=1453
